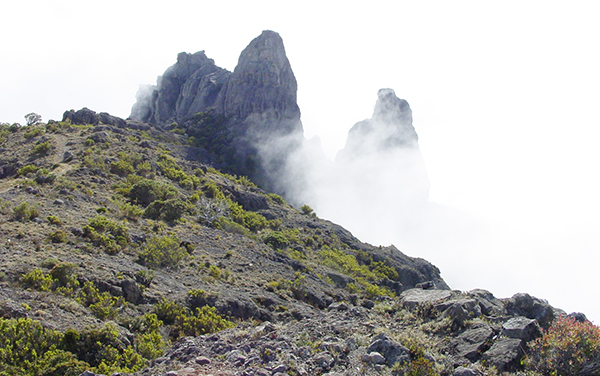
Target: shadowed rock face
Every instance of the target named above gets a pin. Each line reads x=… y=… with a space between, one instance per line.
x=259 y=94
x=262 y=89
x=257 y=101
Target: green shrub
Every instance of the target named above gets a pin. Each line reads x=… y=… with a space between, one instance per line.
x=104 y=350
x=169 y=210
x=25 y=170
x=131 y=211
x=276 y=198
x=144 y=277
x=64 y=274
x=277 y=240
x=58 y=236
x=25 y=211
x=307 y=210
x=42 y=148
x=103 y=305
x=162 y=252
x=95 y=162
x=108 y=234
x=27 y=348
x=173 y=171
x=568 y=347
x=183 y=322
x=146 y=191
x=121 y=168
x=37 y=280
x=32 y=132
x=54 y=220
x=212 y=190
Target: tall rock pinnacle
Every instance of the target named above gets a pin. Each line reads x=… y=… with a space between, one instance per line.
x=390 y=128
x=260 y=93
x=255 y=107
x=386 y=148
x=262 y=88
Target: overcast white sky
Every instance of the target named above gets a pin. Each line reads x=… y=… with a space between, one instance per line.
x=504 y=96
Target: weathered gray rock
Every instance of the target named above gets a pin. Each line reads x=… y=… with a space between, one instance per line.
x=87 y=116
x=131 y=291
x=412 y=298
x=374 y=358
x=505 y=354
x=324 y=360
x=459 y=310
x=531 y=307
x=521 y=328
x=262 y=88
x=470 y=343
x=465 y=371
x=390 y=349
x=489 y=304
x=389 y=128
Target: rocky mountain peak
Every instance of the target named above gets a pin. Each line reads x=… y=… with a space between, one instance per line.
x=260 y=93
x=262 y=89
x=390 y=128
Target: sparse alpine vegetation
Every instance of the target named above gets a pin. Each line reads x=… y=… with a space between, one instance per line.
x=123 y=250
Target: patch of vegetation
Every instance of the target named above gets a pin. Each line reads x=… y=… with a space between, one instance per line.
x=568 y=347
x=110 y=235
x=146 y=191
x=42 y=148
x=169 y=210
x=173 y=171
x=185 y=322
x=26 y=170
x=25 y=211
x=162 y=252
x=103 y=305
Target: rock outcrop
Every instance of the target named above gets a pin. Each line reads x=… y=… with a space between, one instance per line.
x=389 y=129
x=254 y=109
x=261 y=91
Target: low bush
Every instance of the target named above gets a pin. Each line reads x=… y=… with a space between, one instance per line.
x=37 y=280
x=184 y=322
x=146 y=191
x=568 y=347
x=25 y=211
x=162 y=252
x=169 y=210
x=106 y=233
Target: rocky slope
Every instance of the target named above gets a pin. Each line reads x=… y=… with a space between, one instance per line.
x=104 y=226
x=125 y=251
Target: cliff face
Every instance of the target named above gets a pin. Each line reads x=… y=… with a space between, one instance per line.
x=262 y=88
x=259 y=124
x=261 y=91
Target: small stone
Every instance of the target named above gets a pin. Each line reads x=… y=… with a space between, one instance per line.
x=58 y=201
x=280 y=368
x=324 y=360
x=202 y=360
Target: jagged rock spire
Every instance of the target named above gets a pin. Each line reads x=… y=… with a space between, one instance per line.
x=390 y=128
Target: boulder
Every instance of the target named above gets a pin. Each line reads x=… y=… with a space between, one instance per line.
x=522 y=328
x=470 y=343
x=505 y=354
x=392 y=351
x=413 y=298
x=489 y=304
x=531 y=307
x=465 y=371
